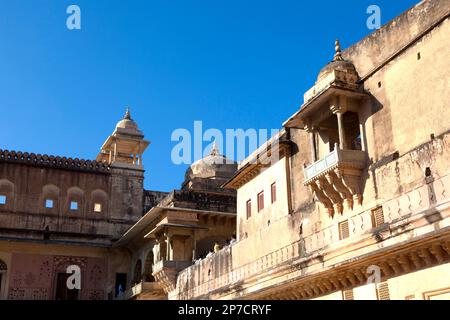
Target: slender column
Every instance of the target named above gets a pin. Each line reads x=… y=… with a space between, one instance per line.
x=311 y=130
x=340 y=118
x=339 y=107
x=115 y=151
x=140 y=160
x=194 y=246
x=168 y=246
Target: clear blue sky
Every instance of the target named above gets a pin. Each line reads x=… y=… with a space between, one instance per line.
x=231 y=64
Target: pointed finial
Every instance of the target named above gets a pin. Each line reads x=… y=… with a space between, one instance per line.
x=338 y=52
x=127 y=114
x=214 y=149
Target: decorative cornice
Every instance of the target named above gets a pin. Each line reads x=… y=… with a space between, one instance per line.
x=54 y=162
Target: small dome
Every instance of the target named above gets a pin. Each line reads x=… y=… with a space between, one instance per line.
x=127 y=122
x=210 y=172
x=338 y=64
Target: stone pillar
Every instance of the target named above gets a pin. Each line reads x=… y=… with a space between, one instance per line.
x=339 y=107
x=312 y=130
x=168 y=247
x=194 y=245
x=342 y=142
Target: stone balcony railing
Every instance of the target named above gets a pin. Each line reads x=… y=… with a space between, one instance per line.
x=217 y=271
x=336 y=178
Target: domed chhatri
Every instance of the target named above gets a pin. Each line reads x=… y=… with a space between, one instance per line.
x=125 y=146
x=338 y=64
x=127 y=123
x=211 y=172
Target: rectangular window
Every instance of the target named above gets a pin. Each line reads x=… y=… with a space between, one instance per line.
x=73 y=205
x=260 y=201
x=2 y=199
x=249 y=209
x=377 y=217
x=344 y=231
x=97 y=207
x=273 y=192
x=49 y=203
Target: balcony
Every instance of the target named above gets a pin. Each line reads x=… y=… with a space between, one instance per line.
x=335 y=179
x=166 y=272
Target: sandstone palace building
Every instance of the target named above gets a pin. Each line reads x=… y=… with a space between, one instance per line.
x=355 y=206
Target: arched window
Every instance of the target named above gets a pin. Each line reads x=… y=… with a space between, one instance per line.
x=137 y=272
x=50 y=198
x=99 y=202
x=75 y=200
x=6 y=194
x=148 y=277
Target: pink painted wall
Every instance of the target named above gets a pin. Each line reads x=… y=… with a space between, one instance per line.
x=33 y=276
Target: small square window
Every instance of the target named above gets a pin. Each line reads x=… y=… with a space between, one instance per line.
x=97 y=207
x=73 y=205
x=49 y=203
x=2 y=199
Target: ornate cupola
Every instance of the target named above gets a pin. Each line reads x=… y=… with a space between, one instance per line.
x=331 y=114
x=125 y=146
x=209 y=173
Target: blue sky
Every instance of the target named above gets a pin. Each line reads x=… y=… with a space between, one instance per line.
x=231 y=64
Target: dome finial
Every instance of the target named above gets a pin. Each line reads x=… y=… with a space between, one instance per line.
x=127 y=114
x=214 y=149
x=338 y=52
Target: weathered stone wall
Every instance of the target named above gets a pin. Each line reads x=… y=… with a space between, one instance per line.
x=407 y=142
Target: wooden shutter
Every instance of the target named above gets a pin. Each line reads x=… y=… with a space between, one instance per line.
x=344 y=231
x=348 y=295
x=377 y=217
x=383 y=291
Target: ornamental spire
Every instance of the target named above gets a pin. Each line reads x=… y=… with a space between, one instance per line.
x=338 y=52
x=127 y=114
x=214 y=149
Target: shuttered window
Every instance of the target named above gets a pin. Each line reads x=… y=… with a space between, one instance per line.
x=377 y=217
x=273 y=192
x=260 y=201
x=348 y=295
x=383 y=291
x=249 y=209
x=344 y=231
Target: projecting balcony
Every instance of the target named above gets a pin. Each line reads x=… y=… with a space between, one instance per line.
x=336 y=178
x=166 y=271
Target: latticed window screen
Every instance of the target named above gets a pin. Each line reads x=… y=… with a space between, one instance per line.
x=3 y=265
x=344 y=231
x=377 y=217
x=383 y=291
x=348 y=294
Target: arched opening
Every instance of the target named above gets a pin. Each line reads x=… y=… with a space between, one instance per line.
x=3 y=270
x=148 y=277
x=137 y=278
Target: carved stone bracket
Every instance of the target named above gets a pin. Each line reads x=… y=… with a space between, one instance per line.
x=335 y=180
